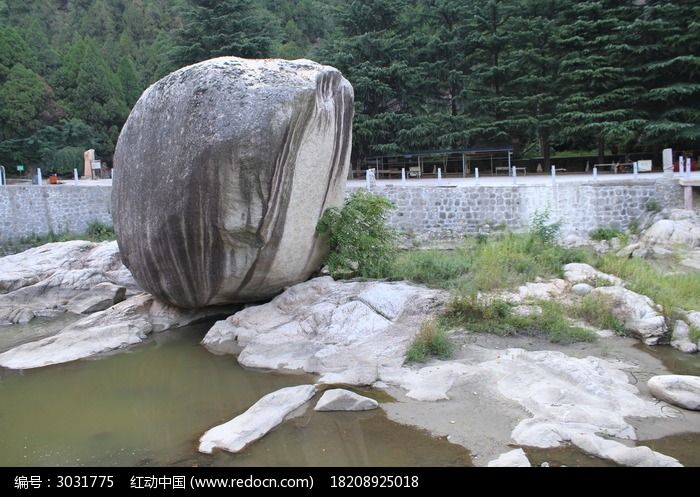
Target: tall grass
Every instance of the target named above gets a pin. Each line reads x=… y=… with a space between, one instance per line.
x=497 y=317
x=431 y=341
x=668 y=290
x=482 y=264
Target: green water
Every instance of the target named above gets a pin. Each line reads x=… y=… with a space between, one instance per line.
x=149 y=406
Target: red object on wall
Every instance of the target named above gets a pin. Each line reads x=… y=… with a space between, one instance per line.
x=693 y=165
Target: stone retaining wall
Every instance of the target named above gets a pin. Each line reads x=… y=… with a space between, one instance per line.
x=38 y=210
x=425 y=214
x=437 y=215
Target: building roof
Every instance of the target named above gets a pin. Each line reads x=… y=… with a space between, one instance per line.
x=472 y=150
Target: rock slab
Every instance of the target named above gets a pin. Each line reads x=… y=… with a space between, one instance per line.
x=513 y=459
x=259 y=419
x=679 y=390
x=339 y=399
x=122 y=325
x=224 y=168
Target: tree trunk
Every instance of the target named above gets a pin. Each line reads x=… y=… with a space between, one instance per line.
x=544 y=148
x=601 y=149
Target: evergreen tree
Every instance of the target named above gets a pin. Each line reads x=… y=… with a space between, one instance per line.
x=215 y=28
x=21 y=97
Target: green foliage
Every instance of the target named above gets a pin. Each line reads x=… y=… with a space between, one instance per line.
x=65 y=160
x=497 y=316
x=605 y=233
x=668 y=290
x=694 y=334
x=597 y=311
x=100 y=232
x=360 y=242
x=503 y=261
x=437 y=268
x=21 y=99
x=431 y=341
x=653 y=206
x=542 y=228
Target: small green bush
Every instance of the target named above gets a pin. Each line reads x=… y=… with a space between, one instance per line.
x=542 y=228
x=604 y=233
x=100 y=232
x=653 y=206
x=431 y=341
x=360 y=242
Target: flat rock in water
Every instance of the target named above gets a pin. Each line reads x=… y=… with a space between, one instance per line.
x=119 y=326
x=259 y=419
x=339 y=399
x=680 y=339
x=679 y=390
x=513 y=459
x=225 y=167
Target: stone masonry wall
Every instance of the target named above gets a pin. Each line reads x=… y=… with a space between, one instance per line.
x=425 y=214
x=39 y=210
x=437 y=215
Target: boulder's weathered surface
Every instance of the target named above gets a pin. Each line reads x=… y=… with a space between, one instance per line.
x=224 y=168
x=76 y=276
x=259 y=419
x=513 y=459
x=339 y=399
x=346 y=331
x=581 y=289
x=679 y=390
x=670 y=232
x=119 y=326
x=639 y=314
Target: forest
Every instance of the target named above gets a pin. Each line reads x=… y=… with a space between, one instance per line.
x=544 y=76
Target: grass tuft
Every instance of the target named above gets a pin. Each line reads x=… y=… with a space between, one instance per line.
x=431 y=341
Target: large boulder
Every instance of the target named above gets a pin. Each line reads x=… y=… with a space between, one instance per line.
x=223 y=169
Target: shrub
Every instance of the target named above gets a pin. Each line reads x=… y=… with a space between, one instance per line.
x=604 y=233
x=430 y=341
x=359 y=240
x=653 y=206
x=100 y=232
x=542 y=228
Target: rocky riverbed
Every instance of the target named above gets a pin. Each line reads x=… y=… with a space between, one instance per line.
x=496 y=394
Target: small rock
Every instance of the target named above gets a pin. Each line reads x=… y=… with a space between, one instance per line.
x=681 y=338
x=544 y=465
x=513 y=459
x=340 y=399
x=576 y=272
x=679 y=390
x=582 y=289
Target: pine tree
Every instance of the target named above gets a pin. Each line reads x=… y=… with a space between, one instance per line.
x=215 y=28
x=21 y=97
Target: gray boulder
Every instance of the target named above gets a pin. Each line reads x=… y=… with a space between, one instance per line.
x=679 y=390
x=223 y=170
